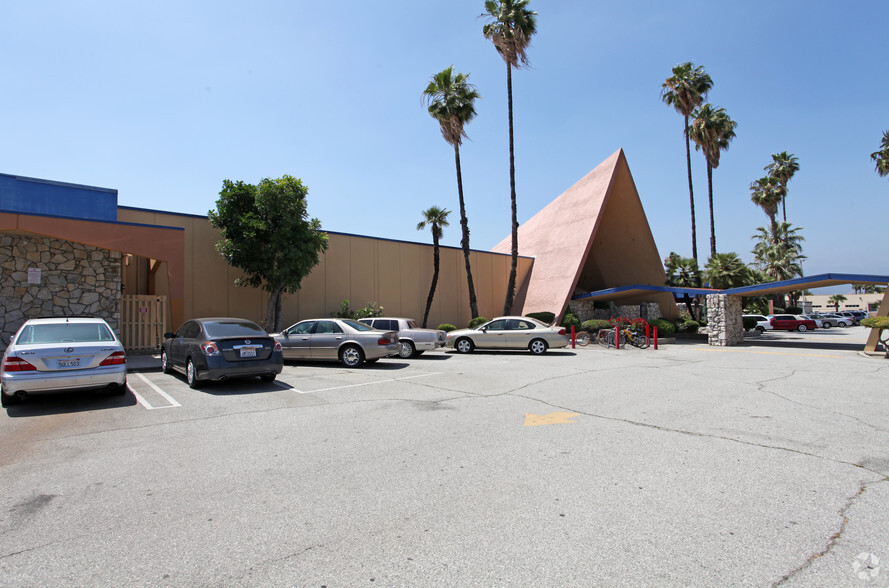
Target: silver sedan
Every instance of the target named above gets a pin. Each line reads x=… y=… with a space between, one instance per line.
x=344 y=340
x=509 y=332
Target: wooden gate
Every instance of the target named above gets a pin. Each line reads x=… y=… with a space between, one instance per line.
x=142 y=321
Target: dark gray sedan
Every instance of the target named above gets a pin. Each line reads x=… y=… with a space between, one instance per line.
x=219 y=348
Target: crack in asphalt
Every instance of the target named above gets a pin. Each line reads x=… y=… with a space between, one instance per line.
x=833 y=539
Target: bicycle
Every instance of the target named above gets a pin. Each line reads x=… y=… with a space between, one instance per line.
x=606 y=338
x=582 y=338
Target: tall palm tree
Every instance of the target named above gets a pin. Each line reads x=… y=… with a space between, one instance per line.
x=782 y=168
x=685 y=90
x=778 y=251
x=836 y=299
x=510 y=29
x=726 y=270
x=712 y=130
x=881 y=157
x=435 y=218
x=451 y=100
x=766 y=193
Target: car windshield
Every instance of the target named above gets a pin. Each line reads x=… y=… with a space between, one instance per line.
x=64 y=333
x=358 y=326
x=233 y=329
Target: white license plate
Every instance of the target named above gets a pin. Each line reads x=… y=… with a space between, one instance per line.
x=69 y=363
x=248 y=351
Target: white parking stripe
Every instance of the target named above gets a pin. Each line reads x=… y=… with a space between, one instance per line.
x=146 y=404
x=362 y=384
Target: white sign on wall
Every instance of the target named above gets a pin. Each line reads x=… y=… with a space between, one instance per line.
x=33 y=275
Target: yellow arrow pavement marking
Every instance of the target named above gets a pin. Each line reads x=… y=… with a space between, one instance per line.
x=553 y=418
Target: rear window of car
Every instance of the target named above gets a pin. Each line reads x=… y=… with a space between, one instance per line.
x=233 y=329
x=358 y=326
x=64 y=333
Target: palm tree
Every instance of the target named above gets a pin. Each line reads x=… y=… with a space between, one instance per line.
x=766 y=193
x=836 y=299
x=782 y=168
x=451 y=99
x=881 y=157
x=683 y=272
x=726 y=270
x=435 y=218
x=778 y=251
x=685 y=90
x=712 y=130
x=510 y=29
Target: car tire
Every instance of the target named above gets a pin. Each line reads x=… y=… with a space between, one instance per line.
x=760 y=330
x=191 y=375
x=802 y=328
x=825 y=325
x=7 y=400
x=351 y=356
x=268 y=377
x=165 y=363
x=407 y=350
x=538 y=346
x=841 y=324
x=464 y=345
x=119 y=390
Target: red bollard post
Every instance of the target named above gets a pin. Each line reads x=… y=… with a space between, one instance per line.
x=655 y=338
x=616 y=337
x=573 y=337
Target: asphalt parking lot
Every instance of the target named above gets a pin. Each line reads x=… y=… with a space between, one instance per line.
x=759 y=465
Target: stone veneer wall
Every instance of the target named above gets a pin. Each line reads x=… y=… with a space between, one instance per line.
x=726 y=327
x=75 y=280
x=584 y=310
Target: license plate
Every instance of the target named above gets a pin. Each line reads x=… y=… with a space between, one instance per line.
x=248 y=351
x=69 y=363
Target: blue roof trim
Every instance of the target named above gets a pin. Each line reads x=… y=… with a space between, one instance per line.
x=61 y=184
x=845 y=278
x=670 y=289
x=90 y=220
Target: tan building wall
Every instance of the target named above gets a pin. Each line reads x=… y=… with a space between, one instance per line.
x=852 y=302
x=394 y=274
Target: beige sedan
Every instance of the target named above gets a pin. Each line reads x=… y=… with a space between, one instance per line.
x=509 y=332
x=344 y=340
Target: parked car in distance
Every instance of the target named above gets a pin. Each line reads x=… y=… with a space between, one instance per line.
x=509 y=332
x=65 y=353
x=827 y=321
x=762 y=322
x=413 y=339
x=841 y=321
x=851 y=316
x=860 y=314
x=791 y=322
x=344 y=340
x=820 y=322
x=218 y=348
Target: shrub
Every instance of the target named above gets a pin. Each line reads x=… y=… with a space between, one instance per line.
x=346 y=312
x=778 y=311
x=691 y=326
x=479 y=320
x=749 y=323
x=569 y=320
x=794 y=310
x=876 y=322
x=446 y=327
x=595 y=325
x=664 y=327
x=544 y=317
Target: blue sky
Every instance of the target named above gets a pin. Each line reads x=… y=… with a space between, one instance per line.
x=165 y=100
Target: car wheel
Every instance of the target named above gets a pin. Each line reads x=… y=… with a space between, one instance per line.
x=802 y=328
x=191 y=375
x=351 y=356
x=119 y=390
x=760 y=330
x=165 y=363
x=464 y=345
x=407 y=350
x=8 y=399
x=268 y=377
x=841 y=324
x=537 y=346
x=825 y=325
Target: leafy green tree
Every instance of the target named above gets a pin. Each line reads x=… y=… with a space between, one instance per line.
x=510 y=28
x=435 y=218
x=685 y=90
x=267 y=233
x=766 y=193
x=778 y=251
x=683 y=272
x=881 y=157
x=836 y=300
x=451 y=101
x=784 y=165
x=727 y=270
x=712 y=130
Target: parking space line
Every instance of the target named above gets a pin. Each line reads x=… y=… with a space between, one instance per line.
x=363 y=384
x=145 y=403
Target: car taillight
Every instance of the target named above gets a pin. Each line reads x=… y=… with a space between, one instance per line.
x=384 y=341
x=562 y=332
x=116 y=358
x=209 y=348
x=278 y=346
x=17 y=364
